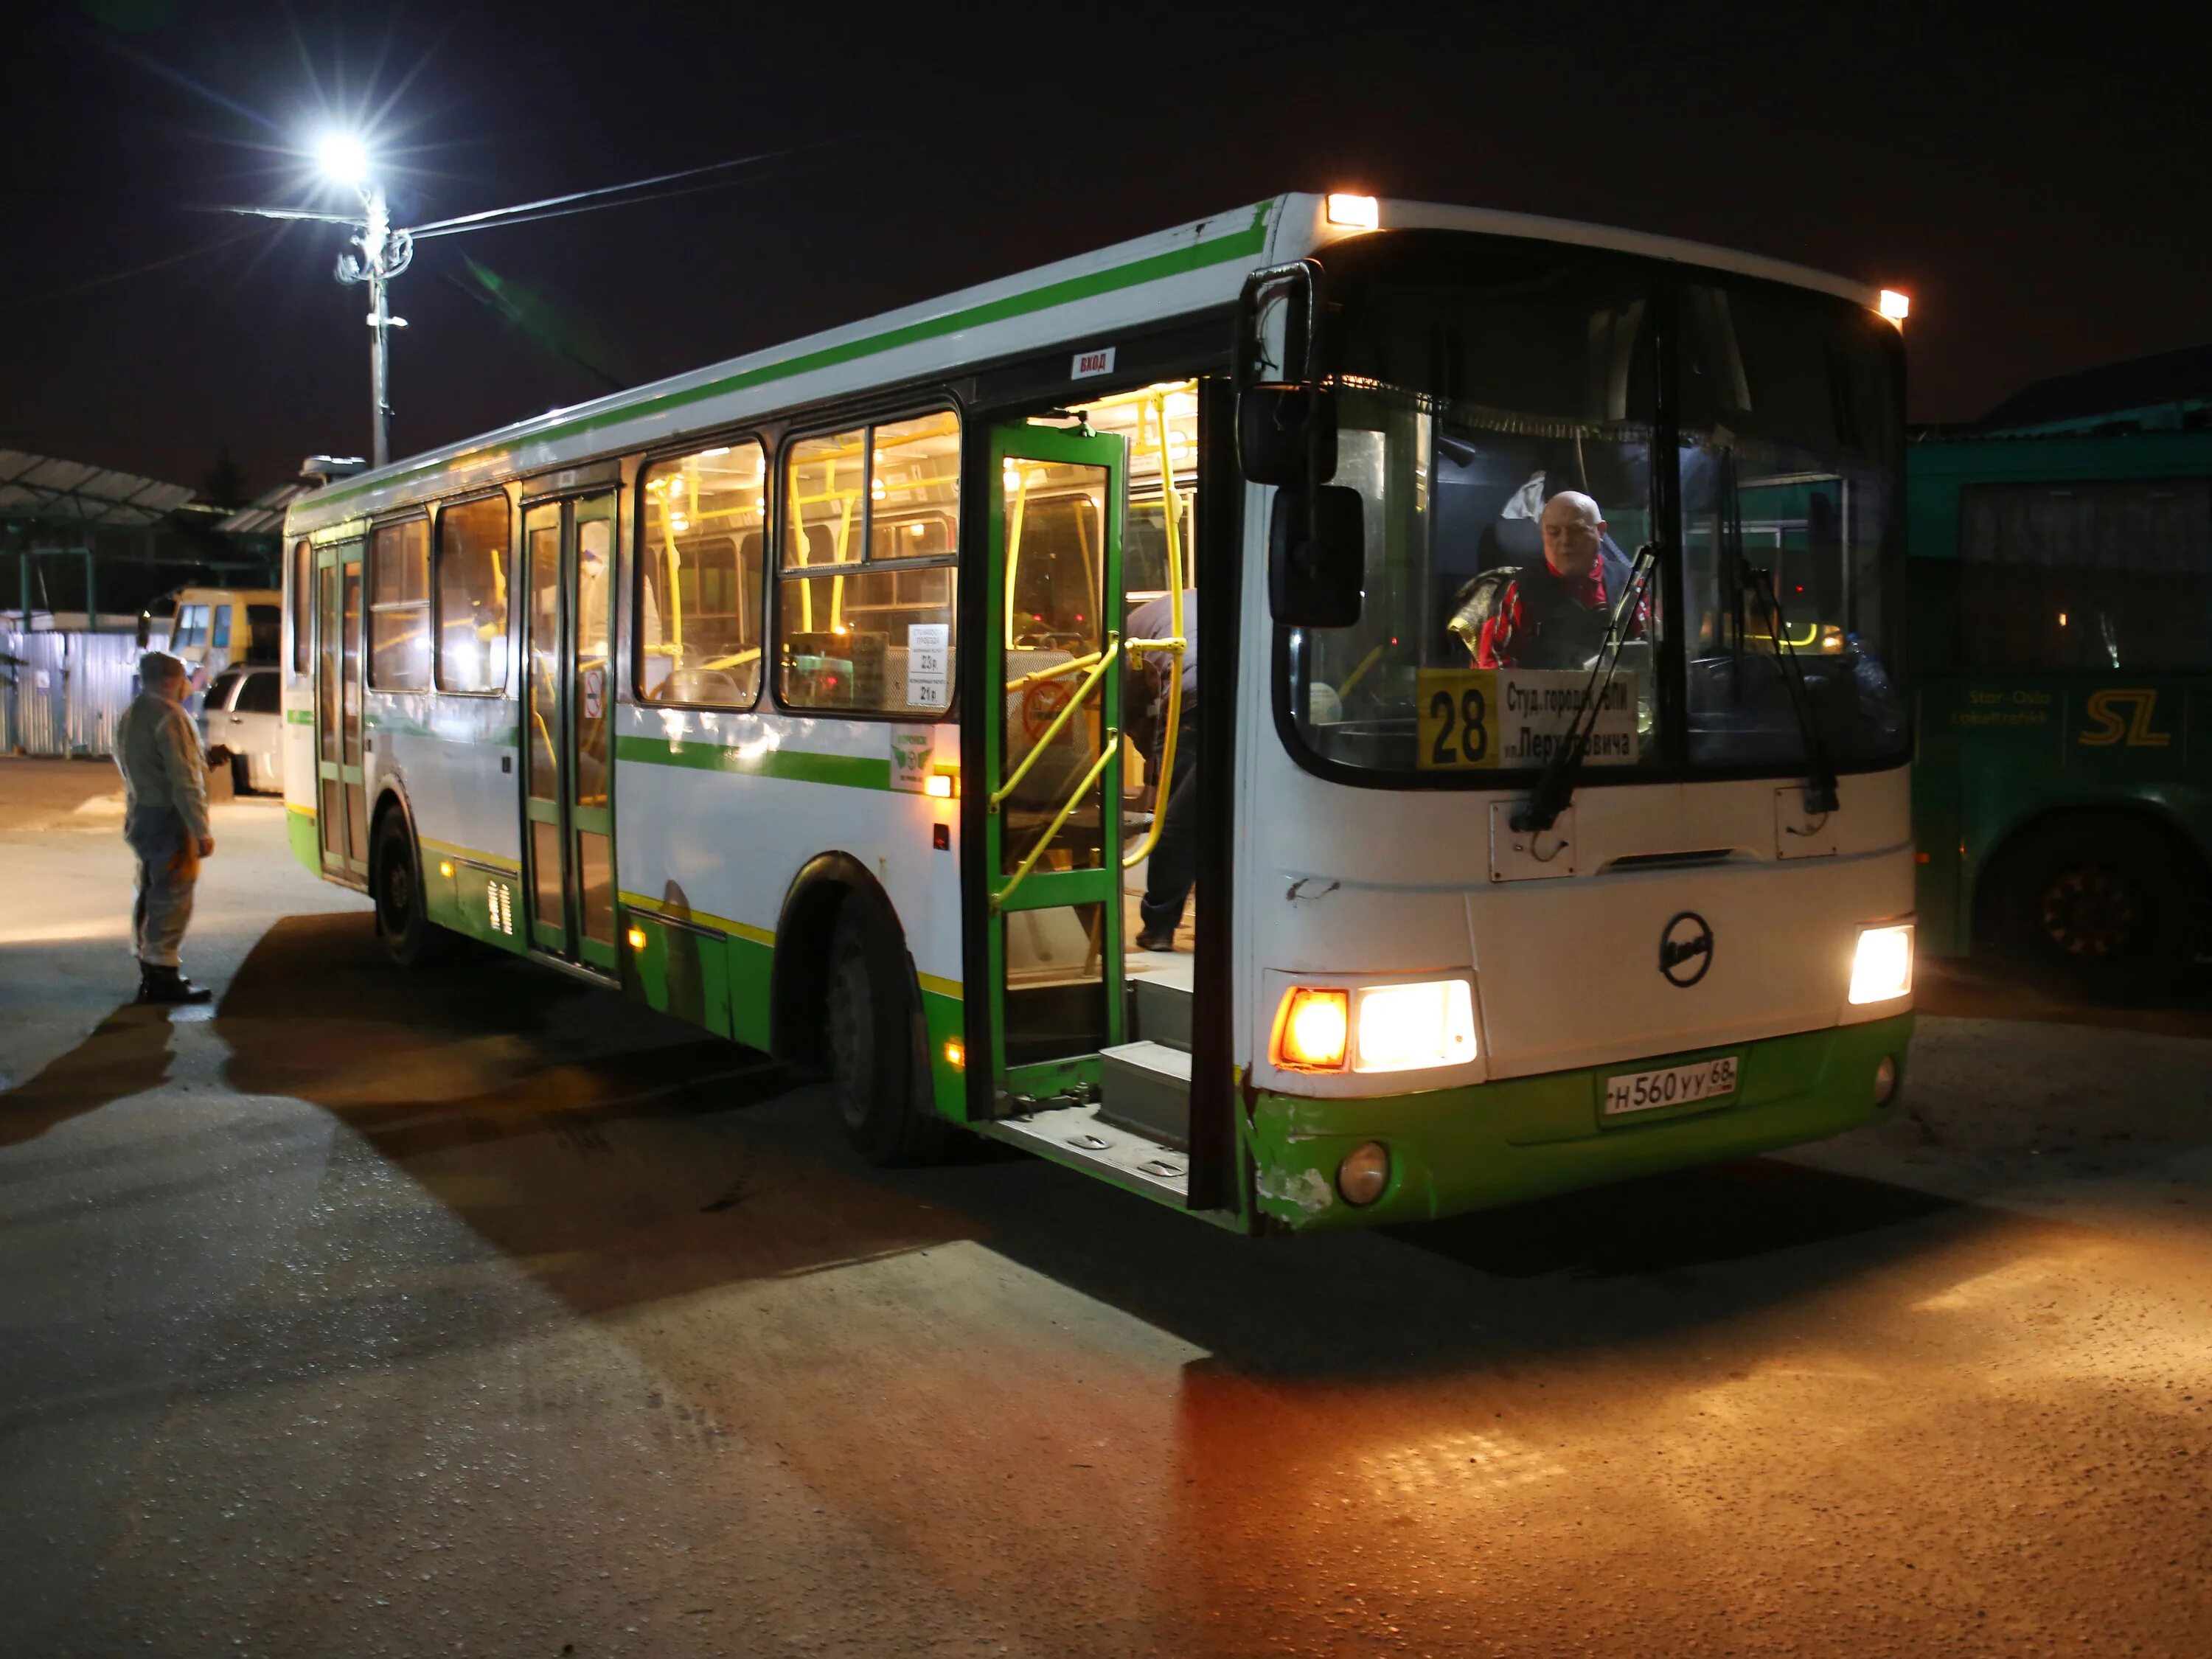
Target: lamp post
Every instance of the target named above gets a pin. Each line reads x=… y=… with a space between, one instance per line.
x=378 y=254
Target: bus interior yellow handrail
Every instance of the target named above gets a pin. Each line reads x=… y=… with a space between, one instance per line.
x=1173 y=646
x=1090 y=684
x=1052 y=831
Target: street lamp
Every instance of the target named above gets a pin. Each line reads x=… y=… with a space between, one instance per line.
x=377 y=254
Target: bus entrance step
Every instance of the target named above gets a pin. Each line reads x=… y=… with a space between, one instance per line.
x=1145 y=1087
x=1160 y=993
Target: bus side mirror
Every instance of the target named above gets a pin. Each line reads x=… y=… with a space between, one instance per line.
x=1286 y=434
x=1316 y=557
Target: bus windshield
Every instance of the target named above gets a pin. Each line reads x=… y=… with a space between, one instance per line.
x=1502 y=409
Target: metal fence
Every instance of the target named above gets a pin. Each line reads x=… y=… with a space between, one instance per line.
x=61 y=694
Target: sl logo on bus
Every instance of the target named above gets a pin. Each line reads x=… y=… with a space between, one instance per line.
x=2103 y=710
x=1686 y=949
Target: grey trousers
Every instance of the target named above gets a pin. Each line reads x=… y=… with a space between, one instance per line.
x=164 y=906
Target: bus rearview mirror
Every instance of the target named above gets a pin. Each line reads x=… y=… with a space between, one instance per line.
x=1316 y=557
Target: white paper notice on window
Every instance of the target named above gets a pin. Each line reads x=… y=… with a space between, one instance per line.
x=928 y=665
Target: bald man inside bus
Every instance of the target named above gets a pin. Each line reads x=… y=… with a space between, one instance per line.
x=1551 y=614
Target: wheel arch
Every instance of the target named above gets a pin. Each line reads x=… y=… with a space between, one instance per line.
x=391 y=797
x=805 y=926
x=2020 y=837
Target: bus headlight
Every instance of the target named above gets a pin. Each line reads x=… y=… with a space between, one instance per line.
x=1406 y=1028
x=1881 y=970
x=1311 y=1027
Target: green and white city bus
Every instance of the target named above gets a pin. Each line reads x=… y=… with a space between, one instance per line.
x=786 y=697
x=2062 y=615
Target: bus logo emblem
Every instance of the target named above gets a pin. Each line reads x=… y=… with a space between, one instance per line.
x=1686 y=949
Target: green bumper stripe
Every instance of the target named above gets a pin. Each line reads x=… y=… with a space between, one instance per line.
x=1453 y=1150
x=800 y=765
x=1245 y=244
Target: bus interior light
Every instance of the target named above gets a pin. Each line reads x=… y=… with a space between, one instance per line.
x=1881 y=969
x=1357 y=212
x=1405 y=1028
x=1895 y=305
x=939 y=784
x=1312 y=1027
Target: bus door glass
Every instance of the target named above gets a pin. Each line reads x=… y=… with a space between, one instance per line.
x=1050 y=745
x=569 y=720
x=342 y=807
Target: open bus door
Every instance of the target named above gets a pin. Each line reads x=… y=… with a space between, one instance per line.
x=1048 y=738
x=567 y=735
x=1051 y=766
x=341 y=802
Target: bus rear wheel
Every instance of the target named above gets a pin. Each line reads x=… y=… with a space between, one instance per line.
x=876 y=1046
x=409 y=936
x=2110 y=905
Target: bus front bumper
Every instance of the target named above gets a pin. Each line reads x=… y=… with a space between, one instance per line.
x=1499 y=1142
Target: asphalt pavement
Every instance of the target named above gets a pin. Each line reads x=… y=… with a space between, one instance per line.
x=475 y=1312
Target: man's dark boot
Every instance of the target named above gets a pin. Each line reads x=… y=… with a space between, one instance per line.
x=167 y=985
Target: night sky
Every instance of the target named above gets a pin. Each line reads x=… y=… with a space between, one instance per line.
x=2032 y=175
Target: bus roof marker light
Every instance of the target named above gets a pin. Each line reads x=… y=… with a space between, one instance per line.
x=1895 y=305
x=1354 y=212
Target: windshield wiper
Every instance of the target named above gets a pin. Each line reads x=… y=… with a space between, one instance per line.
x=1820 y=768
x=1556 y=787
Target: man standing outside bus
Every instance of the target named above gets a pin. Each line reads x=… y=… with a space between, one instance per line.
x=165 y=820
x=1169 y=871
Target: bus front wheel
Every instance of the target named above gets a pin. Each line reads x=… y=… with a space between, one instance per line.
x=409 y=936
x=878 y=1065
x=2112 y=904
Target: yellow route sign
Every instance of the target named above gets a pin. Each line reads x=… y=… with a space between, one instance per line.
x=1484 y=718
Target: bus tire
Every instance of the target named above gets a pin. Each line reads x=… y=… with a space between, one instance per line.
x=876 y=1045
x=2107 y=903
x=409 y=936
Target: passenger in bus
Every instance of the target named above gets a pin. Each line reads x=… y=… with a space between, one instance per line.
x=1551 y=614
x=1173 y=865
x=165 y=820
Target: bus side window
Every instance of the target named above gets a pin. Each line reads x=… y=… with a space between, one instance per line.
x=698 y=629
x=261 y=623
x=866 y=601
x=222 y=634
x=399 y=607
x=471 y=593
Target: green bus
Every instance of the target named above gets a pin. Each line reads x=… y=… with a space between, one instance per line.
x=2062 y=602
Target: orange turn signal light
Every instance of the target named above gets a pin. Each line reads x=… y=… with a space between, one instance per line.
x=955 y=1054
x=1313 y=1029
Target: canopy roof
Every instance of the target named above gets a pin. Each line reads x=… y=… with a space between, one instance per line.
x=75 y=492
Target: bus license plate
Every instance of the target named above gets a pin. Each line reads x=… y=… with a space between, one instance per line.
x=1677 y=1086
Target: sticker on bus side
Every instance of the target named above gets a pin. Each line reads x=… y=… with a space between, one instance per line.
x=1099 y=360
x=1485 y=718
